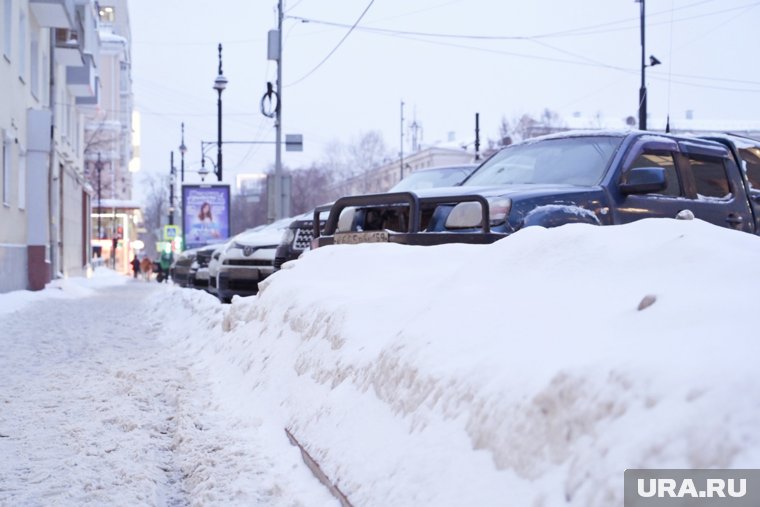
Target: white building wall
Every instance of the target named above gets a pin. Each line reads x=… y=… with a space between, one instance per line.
x=14 y=63
x=41 y=217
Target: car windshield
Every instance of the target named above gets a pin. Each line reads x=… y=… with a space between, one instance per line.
x=431 y=178
x=564 y=161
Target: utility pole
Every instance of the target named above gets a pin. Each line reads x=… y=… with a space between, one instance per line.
x=477 y=136
x=282 y=208
x=401 y=152
x=643 y=89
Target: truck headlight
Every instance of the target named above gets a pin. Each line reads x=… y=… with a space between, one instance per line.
x=467 y=215
x=346 y=219
x=288 y=235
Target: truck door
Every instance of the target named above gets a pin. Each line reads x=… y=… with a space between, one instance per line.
x=666 y=203
x=714 y=196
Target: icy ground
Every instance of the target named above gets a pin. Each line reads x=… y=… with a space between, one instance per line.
x=97 y=408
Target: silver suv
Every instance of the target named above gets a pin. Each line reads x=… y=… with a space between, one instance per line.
x=247 y=260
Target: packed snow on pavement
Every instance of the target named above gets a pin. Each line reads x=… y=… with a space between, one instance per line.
x=532 y=371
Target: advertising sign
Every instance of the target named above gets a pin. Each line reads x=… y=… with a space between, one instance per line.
x=205 y=214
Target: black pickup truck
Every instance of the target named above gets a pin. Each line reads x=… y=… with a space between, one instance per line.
x=600 y=178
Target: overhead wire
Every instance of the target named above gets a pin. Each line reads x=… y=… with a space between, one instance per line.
x=574 y=31
x=350 y=30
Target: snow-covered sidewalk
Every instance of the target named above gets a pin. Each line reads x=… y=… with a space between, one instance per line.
x=98 y=407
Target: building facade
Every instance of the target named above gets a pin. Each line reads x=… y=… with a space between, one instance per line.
x=111 y=152
x=50 y=81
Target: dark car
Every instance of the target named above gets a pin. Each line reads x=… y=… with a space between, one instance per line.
x=434 y=177
x=592 y=177
x=297 y=239
x=181 y=270
x=199 y=274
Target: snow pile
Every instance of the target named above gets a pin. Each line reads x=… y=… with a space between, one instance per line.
x=536 y=369
x=62 y=288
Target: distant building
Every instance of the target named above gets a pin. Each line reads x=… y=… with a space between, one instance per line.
x=381 y=178
x=251 y=185
x=112 y=144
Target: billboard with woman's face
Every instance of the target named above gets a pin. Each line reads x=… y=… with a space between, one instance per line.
x=205 y=214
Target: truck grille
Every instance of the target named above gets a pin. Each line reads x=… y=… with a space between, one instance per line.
x=304 y=235
x=247 y=262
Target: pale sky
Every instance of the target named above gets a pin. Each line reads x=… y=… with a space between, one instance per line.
x=495 y=57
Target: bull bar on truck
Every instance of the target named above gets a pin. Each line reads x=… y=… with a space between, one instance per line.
x=413 y=236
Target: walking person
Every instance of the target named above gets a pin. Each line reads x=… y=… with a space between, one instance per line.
x=165 y=261
x=146 y=266
x=135 y=266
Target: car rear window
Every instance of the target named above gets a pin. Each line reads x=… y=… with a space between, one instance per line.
x=710 y=177
x=751 y=159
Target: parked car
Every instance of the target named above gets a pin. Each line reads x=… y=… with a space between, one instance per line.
x=213 y=266
x=746 y=151
x=297 y=238
x=599 y=178
x=247 y=260
x=199 y=268
x=434 y=177
x=181 y=270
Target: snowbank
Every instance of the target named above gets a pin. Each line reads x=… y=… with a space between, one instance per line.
x=533 y=371
x=66 y=288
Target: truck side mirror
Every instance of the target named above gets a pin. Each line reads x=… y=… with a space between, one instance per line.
x=643 y=180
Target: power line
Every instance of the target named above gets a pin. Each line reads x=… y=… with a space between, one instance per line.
x=588 y=30
x=336 y=46
x=583 y=60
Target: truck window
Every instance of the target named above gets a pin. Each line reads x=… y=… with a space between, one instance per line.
x=709 y=175
x=664 y=160
x=751 y=159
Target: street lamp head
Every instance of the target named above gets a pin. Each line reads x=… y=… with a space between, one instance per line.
x=220 y=83
x=203 y=171
x=653 y=61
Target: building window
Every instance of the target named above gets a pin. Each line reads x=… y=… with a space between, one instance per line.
x=21 y=179
x=106 y=14
x=22 y=45
x=6 y=169
x=7 y=12
x=45 y=80
x=34 y=65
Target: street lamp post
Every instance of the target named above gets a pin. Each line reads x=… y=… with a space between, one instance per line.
x=172 y=176
x=99 y=168
x=182 y=151
x=220 y=83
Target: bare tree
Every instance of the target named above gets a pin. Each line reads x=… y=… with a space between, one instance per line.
x=310 y=188
x=524 y=127
x=156 y=208
x=247 y=211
